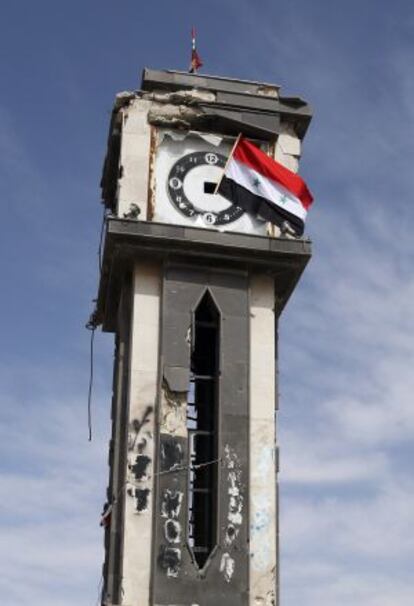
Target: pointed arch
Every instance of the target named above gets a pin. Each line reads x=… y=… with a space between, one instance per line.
x=202 y=425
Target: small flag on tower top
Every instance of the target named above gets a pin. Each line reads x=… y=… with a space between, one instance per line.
x=196 y=62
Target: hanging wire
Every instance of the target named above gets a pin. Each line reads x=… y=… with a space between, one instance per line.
x=108 y=507
x=92 y=329
x=92 y=325
x=185 y=467
x=101 y=240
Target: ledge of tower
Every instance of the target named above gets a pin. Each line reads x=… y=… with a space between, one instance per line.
x=230 y=93
x=128 y=241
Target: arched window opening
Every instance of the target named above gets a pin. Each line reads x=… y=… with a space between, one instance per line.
x=202 y=425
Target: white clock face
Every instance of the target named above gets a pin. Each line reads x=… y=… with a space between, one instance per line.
x=187 y=170
x=191 y=184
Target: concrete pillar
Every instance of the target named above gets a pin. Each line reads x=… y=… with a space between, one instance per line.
x=144 y=359
x=134 y=158
x=288 y=148
x=262 y=485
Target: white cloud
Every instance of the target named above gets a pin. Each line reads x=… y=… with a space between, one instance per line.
x=309 y=459
x=51 y=493
x=325 y=584
x=351 y=525
x=350 y=547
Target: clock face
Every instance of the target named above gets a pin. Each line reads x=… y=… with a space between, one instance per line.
x=191 y=183
x=184 y=173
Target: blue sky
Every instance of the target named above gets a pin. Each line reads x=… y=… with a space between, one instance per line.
x=346 y=424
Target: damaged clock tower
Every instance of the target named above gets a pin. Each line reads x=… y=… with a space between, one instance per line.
x=193 y=287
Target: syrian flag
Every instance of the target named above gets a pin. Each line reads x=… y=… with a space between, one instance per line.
x=196 y=62
x=263 y=187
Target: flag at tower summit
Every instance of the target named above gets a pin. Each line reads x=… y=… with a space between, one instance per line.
x=265 y=188
x=196 y=62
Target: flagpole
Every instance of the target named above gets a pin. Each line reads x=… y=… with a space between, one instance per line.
x=195 y=57
x=193 y=49
x=227 y=162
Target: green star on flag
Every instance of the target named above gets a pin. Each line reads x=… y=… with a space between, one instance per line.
x=265 y=188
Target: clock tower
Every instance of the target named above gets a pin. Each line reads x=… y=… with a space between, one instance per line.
x=192 y=287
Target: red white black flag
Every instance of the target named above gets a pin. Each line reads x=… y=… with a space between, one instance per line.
x=263 y=187
x=196 y=62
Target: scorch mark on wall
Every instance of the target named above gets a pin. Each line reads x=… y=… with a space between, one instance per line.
x=140 y=467
x=140 y=441
x=141 y=496
x=173 y=430
x=172 y=531
x=170 y=560
x=234 y=490
x=171 y=453
x=171 y=503
x=234 y=510
x=135 y=435
x=170 y=557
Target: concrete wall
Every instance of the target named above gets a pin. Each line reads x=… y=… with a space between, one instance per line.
x=150 y=560
x=112 y=569
x=288 y=148
x=153 y=566
x=224 y=579
x=134 y=158
x=262 y=487
x=144 y=360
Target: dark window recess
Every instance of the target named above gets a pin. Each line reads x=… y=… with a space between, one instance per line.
x=202 y=424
